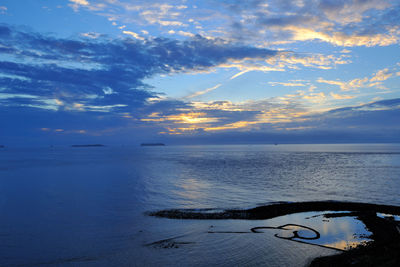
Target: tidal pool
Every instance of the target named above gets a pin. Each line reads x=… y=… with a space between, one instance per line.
x=338 y=230
x=285 y=240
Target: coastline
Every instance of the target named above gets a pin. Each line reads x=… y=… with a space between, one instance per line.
x=275 y=210
x=381 y=251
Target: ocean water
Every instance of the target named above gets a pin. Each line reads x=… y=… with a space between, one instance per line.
x=67 y=206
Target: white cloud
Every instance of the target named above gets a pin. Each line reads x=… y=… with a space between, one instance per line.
x=108 y=91
x=80 y=2
x=162 y=14
x=8 y=96
x=75 y=4
x=245 y=67
x=381 y=75
x=340 y=97
x=320 y=61
x=353 y=11
x=204 y=91
x=288 y=84
x=134 y=35
x=347 y=86
x=238 y=74
x=92 y=35
x=315 y=97
x=3 y=9
x=186 y=34
x=375 y=81
x=343 y=39
x=340 y=23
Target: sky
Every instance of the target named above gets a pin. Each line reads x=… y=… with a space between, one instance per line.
x=196 y=72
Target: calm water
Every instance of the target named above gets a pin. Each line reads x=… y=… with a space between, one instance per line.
x=84 y=206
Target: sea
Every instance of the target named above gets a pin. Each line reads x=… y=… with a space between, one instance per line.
x=89 y=206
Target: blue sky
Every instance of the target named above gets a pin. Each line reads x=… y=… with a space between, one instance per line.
x=123 y=72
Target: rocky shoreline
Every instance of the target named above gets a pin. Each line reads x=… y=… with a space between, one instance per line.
x=382 y=251
x=275 y=210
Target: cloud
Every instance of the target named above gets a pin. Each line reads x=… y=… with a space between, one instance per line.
x=345 y=12
x=375 y=81
x=372 y=117
x=80 y=2
x=92 y=35
x=204 y=91
x=281 y=114
x=162 y=14
x=75 y=70
x=3 y=9
x=341 y=23
x=101 y=79
x=247 y=65
x=286 y=60
x=320 y=61
x=187 y=34
x=75 y=4
x=217 y=116
x=342 y=39
x=315 y=97
x=239 y=74
x=347 y=86
x=340 y=97
x=288 y=84
x=381 y=75
x=134 y=35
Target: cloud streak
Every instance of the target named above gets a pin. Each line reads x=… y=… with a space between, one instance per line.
x=204 y=91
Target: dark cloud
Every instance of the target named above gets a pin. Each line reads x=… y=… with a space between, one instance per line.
x=374 y=122
x=94 y=88
x=376 y=117
x=96 y=84
x=79 y=70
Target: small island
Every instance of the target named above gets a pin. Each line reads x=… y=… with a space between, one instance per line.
x=152 y=144
x=89 y=145
x=2 y=146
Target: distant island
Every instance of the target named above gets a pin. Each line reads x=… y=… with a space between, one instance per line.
x=152 y=144
x=89 y=145
x=1 y=146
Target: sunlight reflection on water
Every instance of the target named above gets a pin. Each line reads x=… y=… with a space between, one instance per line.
x=340 y=232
